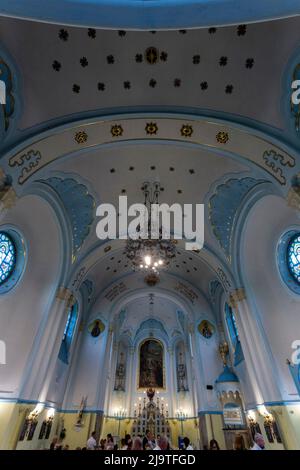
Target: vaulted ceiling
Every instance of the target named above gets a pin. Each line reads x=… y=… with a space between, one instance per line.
x=66 y=73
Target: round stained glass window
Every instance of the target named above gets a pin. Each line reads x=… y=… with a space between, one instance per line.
x=294 y=257
x=7 y=257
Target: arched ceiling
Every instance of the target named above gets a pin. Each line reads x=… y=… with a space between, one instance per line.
x=67 y=71
x=144 y=14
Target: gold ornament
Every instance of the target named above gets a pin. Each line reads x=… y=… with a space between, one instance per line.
x=222 y=137
x=186 y=130
x=81 y=137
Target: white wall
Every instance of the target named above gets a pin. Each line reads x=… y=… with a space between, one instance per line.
x=22 y=308
x=275 y=304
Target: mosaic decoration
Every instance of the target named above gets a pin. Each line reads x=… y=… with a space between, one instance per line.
x=7 y=257
x=224 y=205
x=78 y=204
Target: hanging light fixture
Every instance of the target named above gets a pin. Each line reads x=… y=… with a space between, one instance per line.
x=151 y=254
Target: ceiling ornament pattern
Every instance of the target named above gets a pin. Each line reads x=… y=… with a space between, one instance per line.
x=223 y=209
x=242 y=144
x=79 y=205
x=278 y=163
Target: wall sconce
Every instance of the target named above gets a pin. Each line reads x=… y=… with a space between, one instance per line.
x=265 y=413
x=33 y=415
x=50 y=415
x=251 y=417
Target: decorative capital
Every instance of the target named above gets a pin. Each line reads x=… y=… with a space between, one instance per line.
x=65 y=294
x=293 y=197
x=237 y=296
x=8 y=196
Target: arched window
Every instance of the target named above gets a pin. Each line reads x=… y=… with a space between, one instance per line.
x=293 y=257
x=68 y=334
x=7 y=257
x=234 y=335
x=231 y=325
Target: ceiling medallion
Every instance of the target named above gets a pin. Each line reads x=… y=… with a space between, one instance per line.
x=222 y=137
x=116 y=130
x=150 y=254
x=186 y=130
x=81 y=137
x=151 y=128
x=152 y=55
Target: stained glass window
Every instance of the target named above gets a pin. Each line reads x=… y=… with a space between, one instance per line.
x=231 y=324
x=68 y=334
x=7 y=257
x=294 y=257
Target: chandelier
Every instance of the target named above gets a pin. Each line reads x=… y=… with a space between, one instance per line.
x=151 y=254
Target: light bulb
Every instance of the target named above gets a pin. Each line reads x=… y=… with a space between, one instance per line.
x=155 y=264
x=141 y=266
x=160 y=262
x=148 y=260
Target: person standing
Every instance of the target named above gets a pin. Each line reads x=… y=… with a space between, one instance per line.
x=187 y=444
x=259 y=442
x=92 y=443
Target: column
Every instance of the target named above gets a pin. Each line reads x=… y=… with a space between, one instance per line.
x=105 y=368
x=129 y=382
x=257 y=353
x=173 y=382
x=197 y=384
x=40 y=368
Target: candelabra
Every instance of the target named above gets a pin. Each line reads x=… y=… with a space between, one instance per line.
x=120 y=415
x=181 y=416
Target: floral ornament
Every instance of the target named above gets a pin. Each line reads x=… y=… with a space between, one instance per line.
x=249 y=63
x=212 y=30
x=164 y=56
x=92 y=33
x=186 y=130
x=84 y=62
x=56 y=65
x=241 y=30
x=222 y=137
x=196 y=59
x=229 y=89
x=76 y=88
x=152 y=83
x=81 y=137
x=204 y=85
x=63 y=35
x=139 y=58
x=116 y=130
x=151 y=128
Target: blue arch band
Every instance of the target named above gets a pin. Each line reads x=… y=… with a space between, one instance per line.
x=150 y=14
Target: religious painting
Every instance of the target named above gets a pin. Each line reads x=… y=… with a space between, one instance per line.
x=151 y=365
x=206 y=329
x=96 y=328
